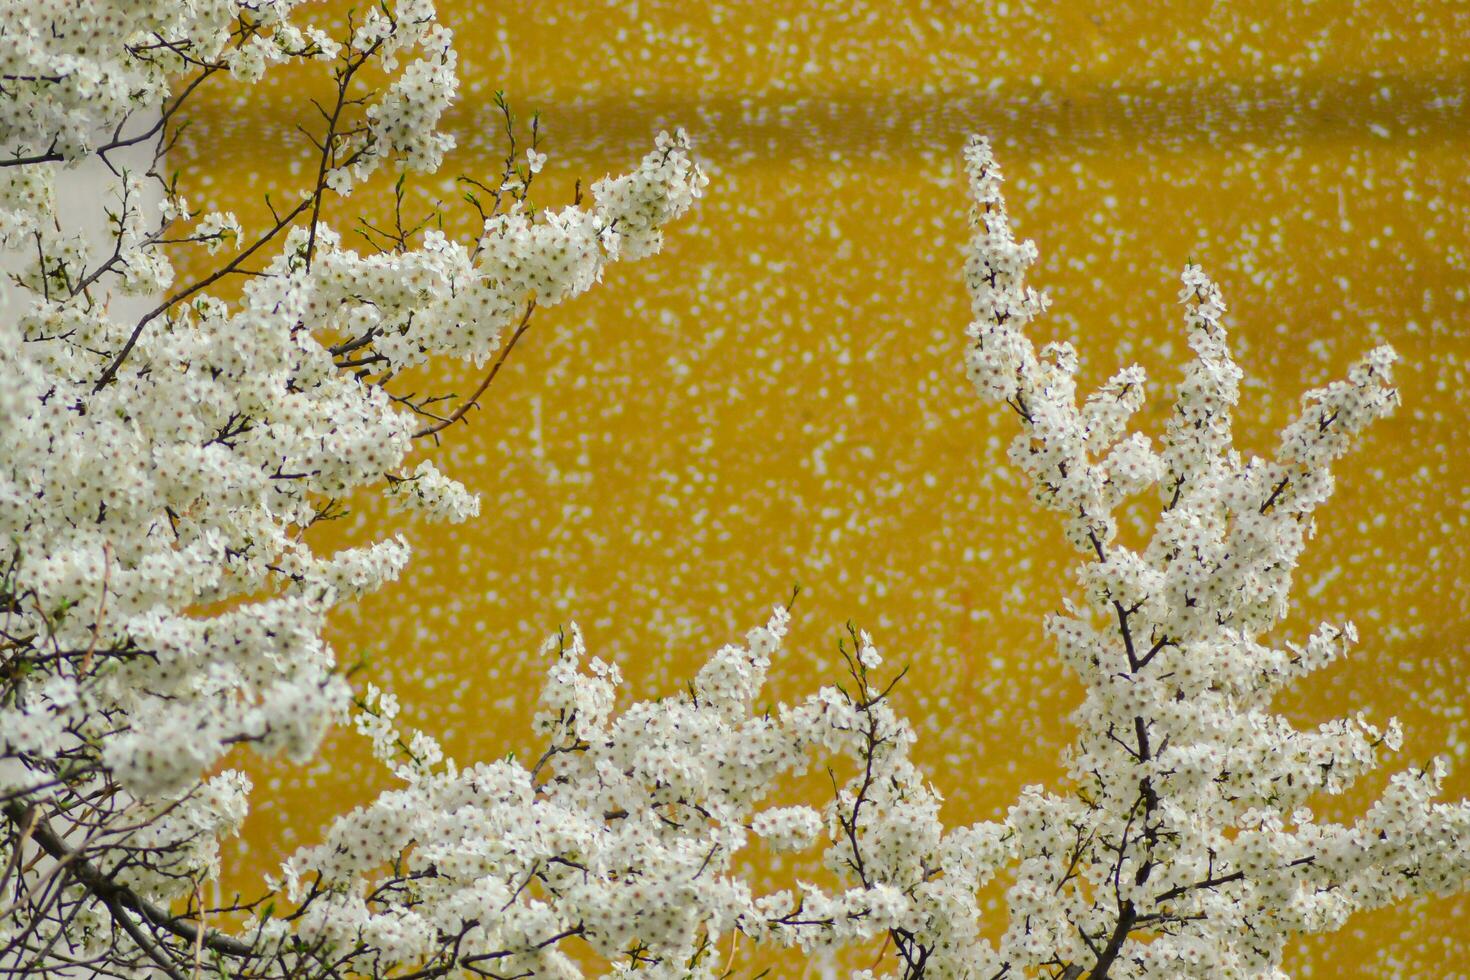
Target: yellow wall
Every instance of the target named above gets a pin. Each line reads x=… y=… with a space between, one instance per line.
x=778 y=398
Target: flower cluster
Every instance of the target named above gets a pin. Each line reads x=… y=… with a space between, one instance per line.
x=160 y=601
x=160 y=598
x=1183 y=846
x=624 y=833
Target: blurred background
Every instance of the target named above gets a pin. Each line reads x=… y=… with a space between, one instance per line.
x=778 y=399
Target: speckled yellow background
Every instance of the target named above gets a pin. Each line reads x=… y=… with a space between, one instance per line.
x=778 y=399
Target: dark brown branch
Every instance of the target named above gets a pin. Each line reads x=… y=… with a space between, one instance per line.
x=1126 y=918
x=1275 y=492
x=1153 y=650
x=1174 y=893
x=204 y=283
x=112 y=893
x=121 y=917
x=494 y=370
x=117 y=142
x=1133 y=663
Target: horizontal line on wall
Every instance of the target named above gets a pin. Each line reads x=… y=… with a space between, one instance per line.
x=1367 y=109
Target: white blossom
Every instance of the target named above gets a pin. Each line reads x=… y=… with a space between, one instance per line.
x=161 y=604
x=160 y=600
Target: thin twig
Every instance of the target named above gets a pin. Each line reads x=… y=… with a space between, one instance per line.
x=101 y=608
x=494 y=370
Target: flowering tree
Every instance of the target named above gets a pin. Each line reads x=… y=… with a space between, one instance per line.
x=160 y=602
x=159 y=598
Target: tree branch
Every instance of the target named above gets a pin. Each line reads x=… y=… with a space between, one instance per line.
x=112 y=893
x=494 y=370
